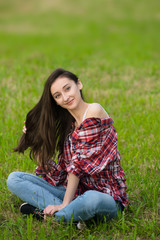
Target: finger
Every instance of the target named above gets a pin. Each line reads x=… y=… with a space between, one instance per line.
x=24 y=129
x=52 y=212
x=45 y=217
x=47 y=210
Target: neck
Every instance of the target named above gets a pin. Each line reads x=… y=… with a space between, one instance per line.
x=79 y=111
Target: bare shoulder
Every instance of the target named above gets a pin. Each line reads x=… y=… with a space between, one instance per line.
x=96 y=110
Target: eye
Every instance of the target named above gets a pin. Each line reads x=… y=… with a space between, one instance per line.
x=57 y=96
x=68 y=88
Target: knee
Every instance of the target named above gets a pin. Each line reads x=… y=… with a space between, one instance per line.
x=96 y=199
x=12 y=179
x=91 y=198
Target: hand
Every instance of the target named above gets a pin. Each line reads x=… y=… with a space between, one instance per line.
x=51 y=209
x=24 y=128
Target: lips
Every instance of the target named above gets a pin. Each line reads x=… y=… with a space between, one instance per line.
x=70 y=102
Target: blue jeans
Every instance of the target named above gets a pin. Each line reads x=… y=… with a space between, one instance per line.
x=39 y=193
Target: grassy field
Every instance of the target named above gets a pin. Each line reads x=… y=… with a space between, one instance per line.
x=114 y=48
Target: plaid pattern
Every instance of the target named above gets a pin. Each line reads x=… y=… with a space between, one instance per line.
x=90 y=152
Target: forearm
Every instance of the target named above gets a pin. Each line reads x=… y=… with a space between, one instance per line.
x=72 y=185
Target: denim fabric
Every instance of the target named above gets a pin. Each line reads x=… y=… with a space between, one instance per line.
x=39 y=193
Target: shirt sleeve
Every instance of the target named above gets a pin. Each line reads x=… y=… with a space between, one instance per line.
x=57 y=172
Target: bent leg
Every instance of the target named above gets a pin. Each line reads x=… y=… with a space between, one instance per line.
x=90 y=204
x=35 y=190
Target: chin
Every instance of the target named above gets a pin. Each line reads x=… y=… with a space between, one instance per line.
x=73 y=107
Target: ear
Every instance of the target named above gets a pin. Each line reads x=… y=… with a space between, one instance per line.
x=80 y=85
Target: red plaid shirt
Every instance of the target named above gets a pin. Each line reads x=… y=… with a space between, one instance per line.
x=90 y=152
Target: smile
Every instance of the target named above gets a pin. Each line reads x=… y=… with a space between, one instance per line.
x=70 y=102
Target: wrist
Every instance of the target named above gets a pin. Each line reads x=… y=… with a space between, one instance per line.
x=61 y=206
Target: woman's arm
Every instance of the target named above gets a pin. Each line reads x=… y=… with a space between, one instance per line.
x=72 y=185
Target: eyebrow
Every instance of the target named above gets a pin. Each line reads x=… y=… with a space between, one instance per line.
x=57 y=92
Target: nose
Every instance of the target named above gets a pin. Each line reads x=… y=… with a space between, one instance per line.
x=65 y=97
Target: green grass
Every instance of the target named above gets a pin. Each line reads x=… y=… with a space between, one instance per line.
x=114 y=48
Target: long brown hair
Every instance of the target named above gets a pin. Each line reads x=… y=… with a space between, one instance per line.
x=47 y=124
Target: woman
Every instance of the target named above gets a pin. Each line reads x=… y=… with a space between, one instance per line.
x=88 y=180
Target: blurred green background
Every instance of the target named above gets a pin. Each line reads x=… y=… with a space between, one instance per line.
x=111 y=31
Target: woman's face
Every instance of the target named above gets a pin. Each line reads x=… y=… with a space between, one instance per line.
x=66 y=92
